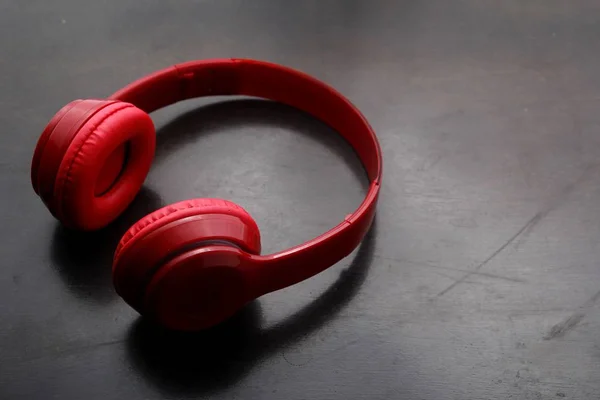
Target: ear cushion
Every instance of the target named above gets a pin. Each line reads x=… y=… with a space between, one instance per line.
x=45 y=137
x=103 y=150
x=167 y=232
x=54 y=142
x=185 y=209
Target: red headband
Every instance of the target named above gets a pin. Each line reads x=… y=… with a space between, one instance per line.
x=281 y=84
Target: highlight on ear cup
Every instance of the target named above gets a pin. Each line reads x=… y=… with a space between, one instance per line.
x=91 y=161
x=148 y=260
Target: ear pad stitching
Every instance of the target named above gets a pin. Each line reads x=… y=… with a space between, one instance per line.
x=124 y=241
x=61 y=186
x=172 y=209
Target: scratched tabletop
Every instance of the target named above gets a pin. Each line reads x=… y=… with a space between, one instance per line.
x=480 y=278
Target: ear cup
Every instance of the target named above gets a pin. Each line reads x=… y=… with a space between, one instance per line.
x=185 y=209
x=91 y=161
x=167 y=233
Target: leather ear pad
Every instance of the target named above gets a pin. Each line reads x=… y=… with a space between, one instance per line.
x=91 y=161
x=177 y=228
x=184 y=209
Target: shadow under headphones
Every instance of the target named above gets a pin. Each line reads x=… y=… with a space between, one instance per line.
x=192 y=264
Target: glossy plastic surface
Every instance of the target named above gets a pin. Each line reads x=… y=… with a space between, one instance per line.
x=198 y=289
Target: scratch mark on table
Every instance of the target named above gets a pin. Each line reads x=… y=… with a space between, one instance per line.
x=557 y=200
x=561 y=329
x=434 y=266
x=291 y=363
x=505 y=278
x=568 y=324
x=528 y=227
x=536 y=218
x=71 y=351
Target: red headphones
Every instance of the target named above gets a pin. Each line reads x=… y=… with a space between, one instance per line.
x=192 y=264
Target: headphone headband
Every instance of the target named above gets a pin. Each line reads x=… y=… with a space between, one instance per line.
x=274 y=82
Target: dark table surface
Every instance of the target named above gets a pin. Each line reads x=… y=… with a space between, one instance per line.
x=480 y=279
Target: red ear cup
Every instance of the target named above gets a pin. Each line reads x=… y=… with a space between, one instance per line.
x=91 y=161
x=162 y=267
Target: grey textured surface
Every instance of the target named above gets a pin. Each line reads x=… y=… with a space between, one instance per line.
x=481 y=277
